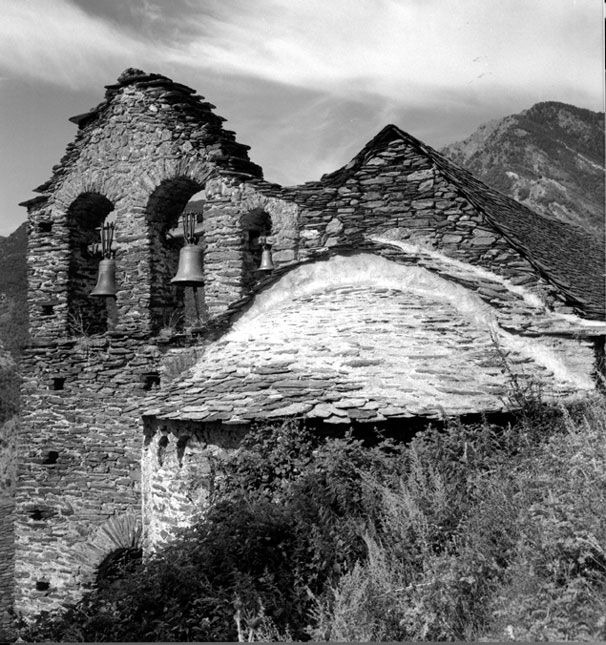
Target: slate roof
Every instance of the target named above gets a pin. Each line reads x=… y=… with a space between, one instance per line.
x=566 y=256
x=357 y=349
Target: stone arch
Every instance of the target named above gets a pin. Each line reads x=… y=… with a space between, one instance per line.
x=86 y=315
x=120 y=535
x=118 y=563
x=88 y=181
x=255 y=224
x=165 y=206
x=285 y=234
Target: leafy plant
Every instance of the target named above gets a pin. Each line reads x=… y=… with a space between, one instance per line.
x=472 y=532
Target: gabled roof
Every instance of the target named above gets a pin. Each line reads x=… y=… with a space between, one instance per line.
x=566 y=256
x=184 y=108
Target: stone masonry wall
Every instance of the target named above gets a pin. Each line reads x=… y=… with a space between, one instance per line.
x=180 y=466
x=151 y=136
x=140 y=156
x=397 y=191
x=7 y=564
x=79 y=461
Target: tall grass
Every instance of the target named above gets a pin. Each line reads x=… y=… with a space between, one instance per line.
x=503 y=539
x=475 y=532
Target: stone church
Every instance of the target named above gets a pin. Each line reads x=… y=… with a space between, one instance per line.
x=394 y=291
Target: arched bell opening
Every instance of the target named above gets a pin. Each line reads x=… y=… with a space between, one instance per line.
x=175 y=304
x=256 y=226
x=87 y=315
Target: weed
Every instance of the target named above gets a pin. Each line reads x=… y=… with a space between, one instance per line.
x=476 y=532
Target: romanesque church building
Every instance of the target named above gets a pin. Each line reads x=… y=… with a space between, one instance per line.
x=176 y=298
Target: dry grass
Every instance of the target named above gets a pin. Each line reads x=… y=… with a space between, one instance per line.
x=526 y=559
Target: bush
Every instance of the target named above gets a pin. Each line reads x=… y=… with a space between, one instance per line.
x=474 y=532
x=493 y=534
x=287 y=521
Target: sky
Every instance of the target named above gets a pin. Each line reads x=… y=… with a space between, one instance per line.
x=305 y=83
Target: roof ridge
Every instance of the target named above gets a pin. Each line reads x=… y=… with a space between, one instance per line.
x=573 y=272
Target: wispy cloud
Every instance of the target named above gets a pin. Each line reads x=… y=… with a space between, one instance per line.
x=305 y=83
x=59 y=43
x=406 y=50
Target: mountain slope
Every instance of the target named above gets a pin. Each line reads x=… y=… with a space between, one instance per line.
x=13 y=272
x=13 y=290
x=549 y=157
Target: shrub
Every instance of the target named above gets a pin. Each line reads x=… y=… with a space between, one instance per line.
x=492 y=533
x=8 y=452
x=474 y=532
x=286 y=523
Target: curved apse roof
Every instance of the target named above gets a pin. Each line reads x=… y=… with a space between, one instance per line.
x=357 y=338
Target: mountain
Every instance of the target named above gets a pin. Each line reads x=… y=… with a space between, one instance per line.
x=13 y=272
x=13 y=290
x=549 y=157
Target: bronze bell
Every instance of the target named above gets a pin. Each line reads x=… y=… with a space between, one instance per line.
x=266 y=261
x=189 y=271
x=106 y=280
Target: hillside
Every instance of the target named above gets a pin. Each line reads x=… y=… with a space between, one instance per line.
x=549 y=157
x=13 y=274
x=13 y=290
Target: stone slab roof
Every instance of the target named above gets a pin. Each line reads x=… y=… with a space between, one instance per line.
x=362 y=339
x=568 y=257
x=181 y=108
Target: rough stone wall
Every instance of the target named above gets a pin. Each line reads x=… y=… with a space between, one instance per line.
x=399 y=193
x=7 y=564
x=150 y=144
x=140 y=155
x=180 y=466
x=80 y=458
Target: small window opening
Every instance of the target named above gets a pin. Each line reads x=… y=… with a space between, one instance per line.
x=150 y=380
x=48 y=310
x=45 y=227
x=58 y=383
x=162 y=444
x=38 y=514
x=51 y=458
x=181 y=444
x=42 y=585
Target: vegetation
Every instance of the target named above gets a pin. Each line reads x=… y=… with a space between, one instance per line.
x=8 y=468
x=472 y=532
x=9 y=405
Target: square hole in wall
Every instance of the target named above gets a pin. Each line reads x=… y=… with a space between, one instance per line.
x=45 y=227
x=47 y=310
x=150 y=380
x=50 y=458
x=42 y=585
x=58 y=383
